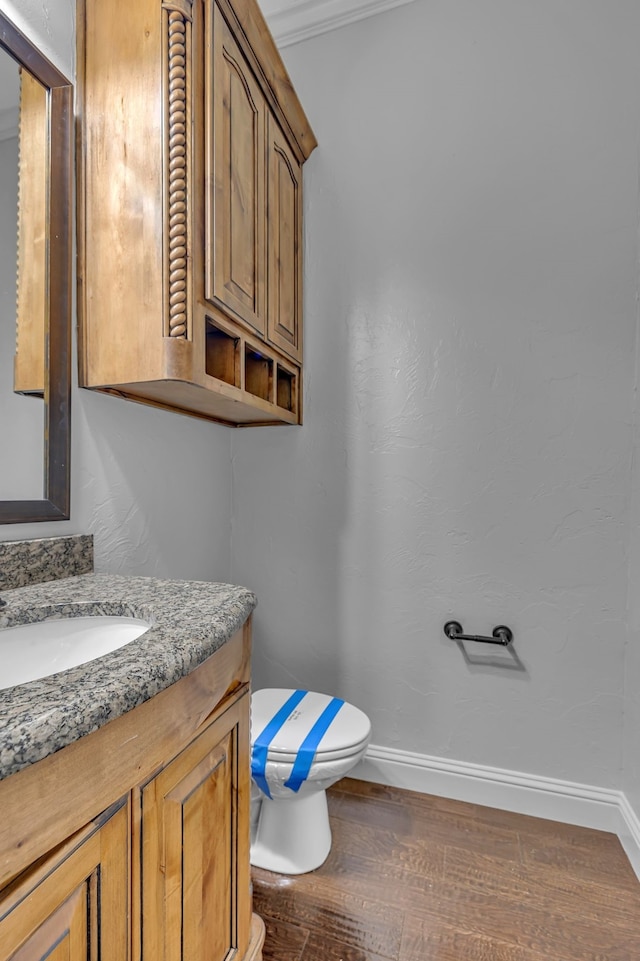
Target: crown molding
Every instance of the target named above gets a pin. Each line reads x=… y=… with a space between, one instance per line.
x=291 y=21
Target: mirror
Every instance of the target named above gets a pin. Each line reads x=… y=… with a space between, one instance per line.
x=36 y=120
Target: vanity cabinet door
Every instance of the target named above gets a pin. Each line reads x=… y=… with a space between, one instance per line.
x=195 y=902
x=73 y=905
x=284 y=243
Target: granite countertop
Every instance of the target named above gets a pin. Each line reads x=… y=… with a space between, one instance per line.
x=189 y=620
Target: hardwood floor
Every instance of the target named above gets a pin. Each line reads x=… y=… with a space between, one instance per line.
x=412 y=877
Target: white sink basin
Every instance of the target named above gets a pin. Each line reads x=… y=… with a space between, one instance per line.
x=32 y=651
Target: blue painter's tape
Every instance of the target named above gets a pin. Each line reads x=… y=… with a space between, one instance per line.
x=261 y=744
x=308 y=748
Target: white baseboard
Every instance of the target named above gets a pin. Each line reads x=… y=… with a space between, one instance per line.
x=551 y=798
x=293 y=20
x=629 y=834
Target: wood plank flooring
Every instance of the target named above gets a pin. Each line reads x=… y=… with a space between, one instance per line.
x=412 y=877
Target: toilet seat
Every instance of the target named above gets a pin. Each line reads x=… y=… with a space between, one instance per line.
x=285 y=757
x=348 y=732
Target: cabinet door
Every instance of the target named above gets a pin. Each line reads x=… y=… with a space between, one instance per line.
x=32 y=307
x=284 y=243
x=235 y=224
x=73 y=906
x=194 y=837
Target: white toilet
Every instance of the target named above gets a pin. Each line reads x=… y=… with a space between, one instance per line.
x=301 y=743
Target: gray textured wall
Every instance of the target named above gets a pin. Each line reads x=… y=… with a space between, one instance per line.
x=470 y=327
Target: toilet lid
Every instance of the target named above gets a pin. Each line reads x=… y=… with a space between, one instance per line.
x=349 y=730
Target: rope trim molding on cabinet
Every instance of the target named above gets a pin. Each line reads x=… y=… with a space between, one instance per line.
x=178 y=26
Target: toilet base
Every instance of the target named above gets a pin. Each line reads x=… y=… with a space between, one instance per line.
x=292 y=837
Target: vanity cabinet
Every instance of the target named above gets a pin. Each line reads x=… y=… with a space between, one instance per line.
x=162 y=872
x=73 y=904
x=193 y=848
x=190 y=197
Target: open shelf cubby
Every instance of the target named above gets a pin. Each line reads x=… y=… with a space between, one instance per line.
x=258 y=373
x=285 y=389
x=222 y=355
x=255 y=384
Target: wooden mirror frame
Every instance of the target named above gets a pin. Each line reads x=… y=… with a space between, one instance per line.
x=57 y=387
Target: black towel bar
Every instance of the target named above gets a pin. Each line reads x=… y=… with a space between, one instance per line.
x=500 y=635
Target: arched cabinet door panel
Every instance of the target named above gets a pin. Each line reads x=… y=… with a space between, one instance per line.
x=284 y=219
x=235 y=245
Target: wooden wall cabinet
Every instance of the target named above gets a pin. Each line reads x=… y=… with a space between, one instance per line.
x=190 y=197
x=163 y=873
